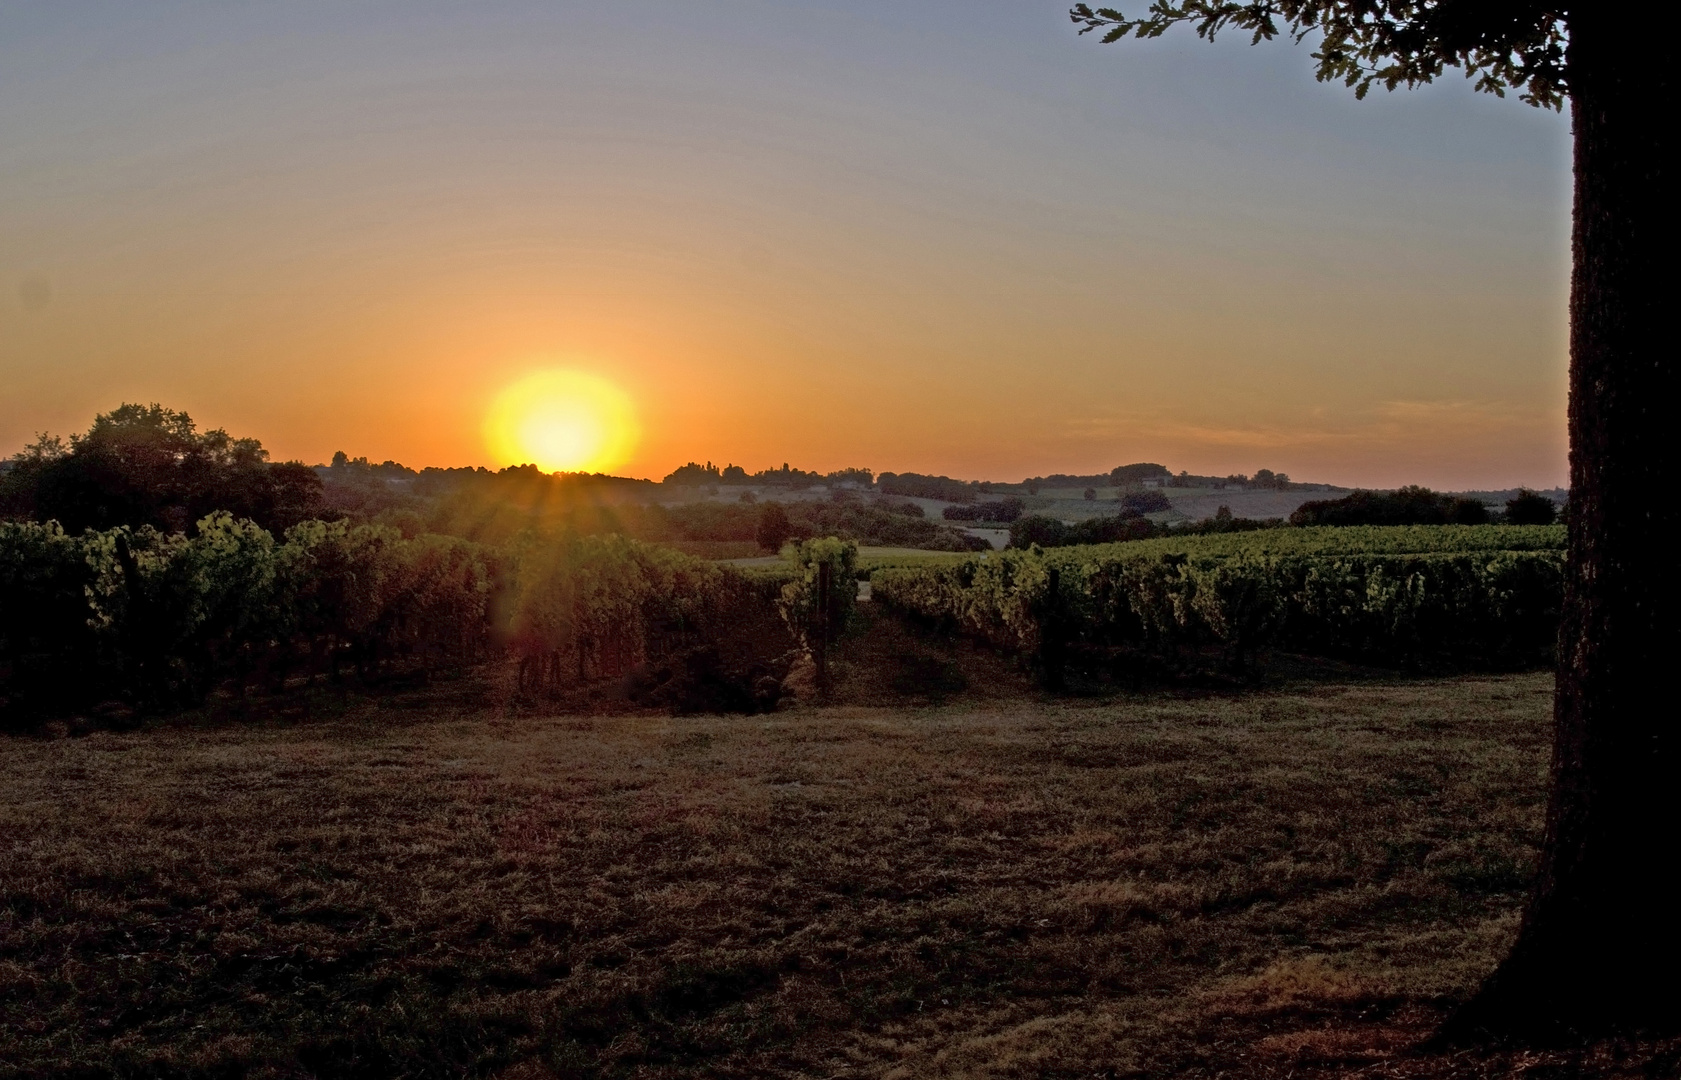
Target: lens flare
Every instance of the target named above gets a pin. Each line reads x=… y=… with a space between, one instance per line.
x=562 y=421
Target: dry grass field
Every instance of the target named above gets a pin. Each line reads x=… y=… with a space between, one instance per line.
x=945 y=874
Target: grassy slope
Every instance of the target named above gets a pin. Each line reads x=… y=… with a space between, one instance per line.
x=997 y=886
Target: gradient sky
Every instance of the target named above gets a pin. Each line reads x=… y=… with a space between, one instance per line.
x=944 y=237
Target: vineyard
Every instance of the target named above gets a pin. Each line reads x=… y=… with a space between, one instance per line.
x=146 y=619
x=1458 y=595
x=151 y=620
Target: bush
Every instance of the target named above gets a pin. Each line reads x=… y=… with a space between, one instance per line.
x=1003 y=511
x=1033 y=529
x=1048 y=532
x=1109 y=530
x=1529 y=508
x=1148 y=501
x=916 y=485
x=774 y=527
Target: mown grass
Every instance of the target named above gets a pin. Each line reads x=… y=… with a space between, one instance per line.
x=1290 y=880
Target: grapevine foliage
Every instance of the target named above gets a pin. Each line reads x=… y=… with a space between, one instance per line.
x=157 y=620
x=1407 y=594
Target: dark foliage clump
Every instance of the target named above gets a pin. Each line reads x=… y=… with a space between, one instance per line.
x=1148 y=501
x=918 y=486
x=1038 y=529
x=1125 y=475
x=1224 y=522
x=879 y=526
x=1049 y=532
x=774 y=527
x=694 y=474
x=1529 y=508
x=701 y=680
x=141 y=465
x=882 y=524
x=1004 y=511
x=1405 y=506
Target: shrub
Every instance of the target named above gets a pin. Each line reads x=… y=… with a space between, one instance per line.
x=916 y=485
x=1529 y=508
x=1048 y=532
x=1003 y=511
x=774 y=527
x=1148 y=501
x=1129 y=475
x=1037 y=529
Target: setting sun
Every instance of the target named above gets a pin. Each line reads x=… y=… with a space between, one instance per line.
x=562 y=421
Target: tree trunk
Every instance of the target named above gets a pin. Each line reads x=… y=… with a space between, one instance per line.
x=1600 y=946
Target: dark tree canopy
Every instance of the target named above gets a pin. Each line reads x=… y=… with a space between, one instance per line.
x=1529 y=508
x=1503 y=44
x=148 y=465
x=774 y=527
x=1407 y=506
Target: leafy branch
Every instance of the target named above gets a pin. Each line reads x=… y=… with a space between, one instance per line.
x=1509 y=44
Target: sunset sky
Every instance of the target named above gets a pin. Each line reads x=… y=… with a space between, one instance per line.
x=942 y=237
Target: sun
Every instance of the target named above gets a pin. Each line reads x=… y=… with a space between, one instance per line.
x=562 y=421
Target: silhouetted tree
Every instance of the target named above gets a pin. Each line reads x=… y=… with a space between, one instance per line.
x=1126 y=475
x=693 y=474
x=1412 y=505
x=918 y=486
x=1600 y=944
x=774 y=527
x=1528 y=508
x=148 y=465
x=1037 y=529
x=862 y=477
x=1149 y=501
x=1003 y=511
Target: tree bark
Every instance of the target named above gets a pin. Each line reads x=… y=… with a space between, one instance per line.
x=1599 y=950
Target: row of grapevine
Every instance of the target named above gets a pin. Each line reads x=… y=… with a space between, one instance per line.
x=1411 y=599
x=593 y=606
x=157 y=620
x=822 y=588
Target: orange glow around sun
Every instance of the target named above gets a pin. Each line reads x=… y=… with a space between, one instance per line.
x=562 y=421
